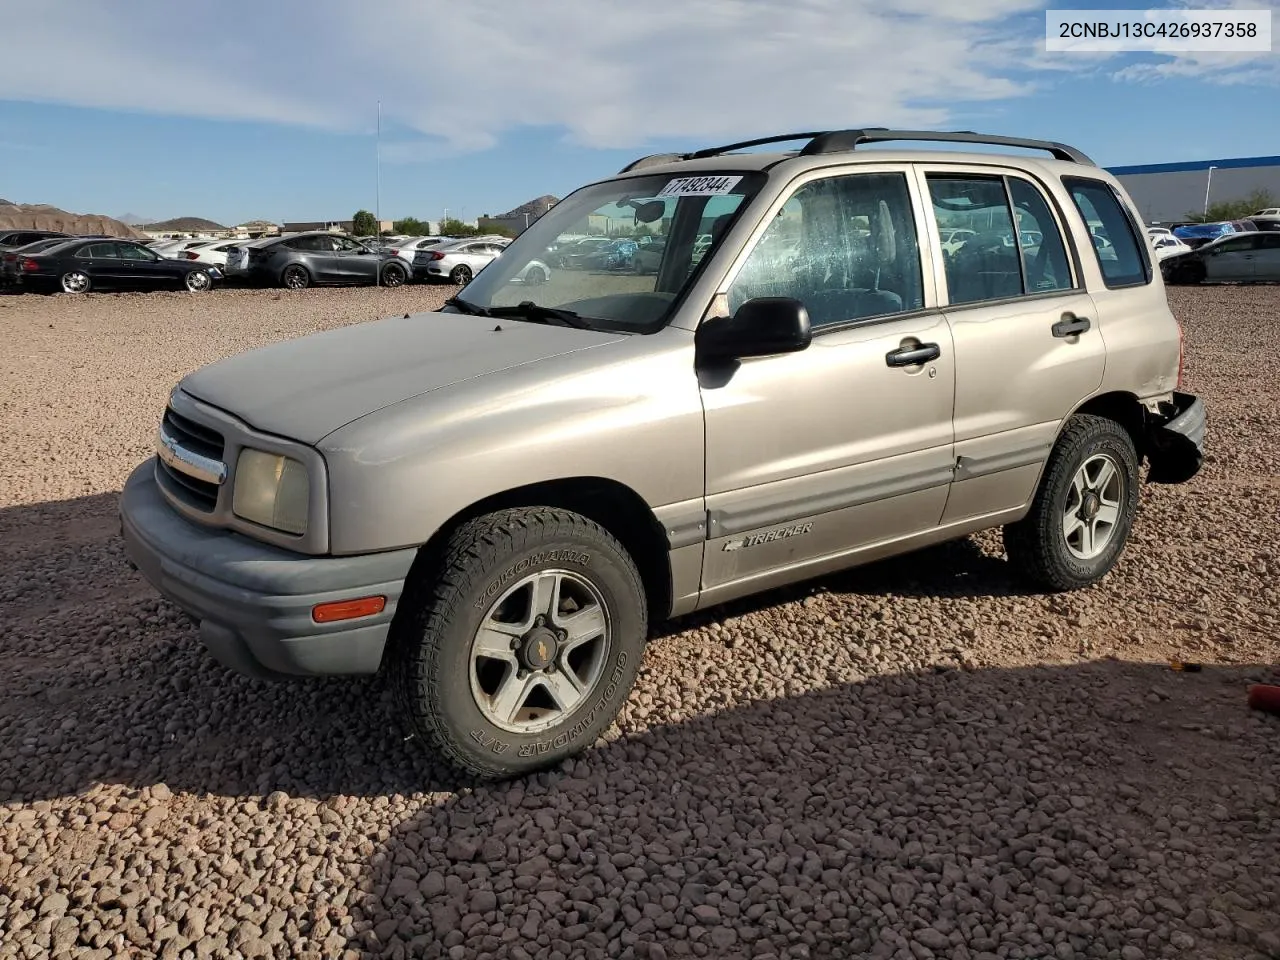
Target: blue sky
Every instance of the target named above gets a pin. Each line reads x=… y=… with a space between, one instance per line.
x=240 y=110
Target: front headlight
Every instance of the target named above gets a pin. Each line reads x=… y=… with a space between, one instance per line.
x=271 y=490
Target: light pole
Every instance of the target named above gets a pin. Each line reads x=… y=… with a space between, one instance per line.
x=377 y=197
x=1207 y=184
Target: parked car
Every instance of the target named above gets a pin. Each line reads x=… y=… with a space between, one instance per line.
x=407 y=248
x=648 y=256
x=237 y=265
x=493 y=503
x=1241 y=257
x=12 y=239
x=210 y=251
x=304 y=259
x=79 y=266
x=460 y=260
x=9 y=257
x=1198 y=234
x=574 y=253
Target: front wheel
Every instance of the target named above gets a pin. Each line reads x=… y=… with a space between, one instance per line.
x=521 y=645
x=461 y=275
x=1083 y=510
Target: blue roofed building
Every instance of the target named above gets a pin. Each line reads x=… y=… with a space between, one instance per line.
x=1169 y=191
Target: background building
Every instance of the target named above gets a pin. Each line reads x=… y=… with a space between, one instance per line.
x=1169 y=191
x=333 y=226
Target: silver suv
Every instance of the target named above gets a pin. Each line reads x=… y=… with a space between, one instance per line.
x=493 y=502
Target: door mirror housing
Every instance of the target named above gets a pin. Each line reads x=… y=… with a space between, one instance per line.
x=763 y=327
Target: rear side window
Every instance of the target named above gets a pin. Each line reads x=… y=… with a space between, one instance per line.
x=100 y=251
x=1121 y=257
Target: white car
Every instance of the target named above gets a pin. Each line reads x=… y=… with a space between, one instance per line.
x=237 y=255
x=460 y=260
x=173 y=249
x=406 y=249
x=210 y=251
x=953 y=240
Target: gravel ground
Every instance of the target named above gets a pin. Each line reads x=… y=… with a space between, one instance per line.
x=910 y=760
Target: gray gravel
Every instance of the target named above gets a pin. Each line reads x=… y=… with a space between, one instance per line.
x=911 y=760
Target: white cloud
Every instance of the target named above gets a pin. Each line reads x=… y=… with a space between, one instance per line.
x=454 y=78
x=1256 y=68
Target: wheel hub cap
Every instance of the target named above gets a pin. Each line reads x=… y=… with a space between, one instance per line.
x=538 y=649
x=1090 y=506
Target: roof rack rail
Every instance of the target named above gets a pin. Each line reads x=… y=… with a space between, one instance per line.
x=839 y=141
x=652 y=161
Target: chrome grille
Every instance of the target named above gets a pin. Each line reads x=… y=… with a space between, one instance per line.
x=189 y=465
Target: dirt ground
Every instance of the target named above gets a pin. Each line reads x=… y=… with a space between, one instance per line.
x=910 y=760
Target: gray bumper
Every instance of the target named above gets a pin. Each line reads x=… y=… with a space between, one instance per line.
x=252 y=601
x=1175 y=440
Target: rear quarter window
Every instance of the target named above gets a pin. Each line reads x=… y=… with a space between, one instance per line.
x=1120 y=255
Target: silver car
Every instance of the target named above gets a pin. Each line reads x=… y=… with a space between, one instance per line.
x=495 y=502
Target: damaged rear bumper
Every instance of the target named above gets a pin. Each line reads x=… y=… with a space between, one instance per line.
x=1175 y=439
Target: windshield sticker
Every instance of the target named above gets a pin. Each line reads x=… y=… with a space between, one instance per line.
x=699 y=187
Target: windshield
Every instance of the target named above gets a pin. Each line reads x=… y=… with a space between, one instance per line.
x=618 y=253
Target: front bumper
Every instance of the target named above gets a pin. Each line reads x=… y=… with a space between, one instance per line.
x=1175 y=440
x=253 y=601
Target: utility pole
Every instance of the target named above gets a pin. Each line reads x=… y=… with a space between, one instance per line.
x=377 y=197
x=1207 y=184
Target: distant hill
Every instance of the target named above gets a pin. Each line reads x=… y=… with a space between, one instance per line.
x=41 y=216
x=134 y=219
x=535 y=208
x=188 y=224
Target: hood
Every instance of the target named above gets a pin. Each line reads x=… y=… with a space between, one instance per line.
x=304 y=389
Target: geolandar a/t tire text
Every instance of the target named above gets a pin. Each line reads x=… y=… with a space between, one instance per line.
x=519 y=645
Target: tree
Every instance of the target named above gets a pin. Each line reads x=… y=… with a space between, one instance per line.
x=363 y=224
x=411 y=227
x=453 y=227
x=1234 y=209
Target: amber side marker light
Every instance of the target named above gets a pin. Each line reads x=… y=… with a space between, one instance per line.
x=347 y=609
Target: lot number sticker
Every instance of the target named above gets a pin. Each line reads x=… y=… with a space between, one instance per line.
x=699 y=187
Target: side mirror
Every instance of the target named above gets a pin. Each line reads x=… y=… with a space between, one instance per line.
x=763 y=327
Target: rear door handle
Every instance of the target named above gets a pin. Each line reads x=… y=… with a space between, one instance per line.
x=1071 y=326
x=911 y=356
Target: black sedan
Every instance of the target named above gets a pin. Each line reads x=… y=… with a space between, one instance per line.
x=303 y=259
x=83 y=265
x=9 y=258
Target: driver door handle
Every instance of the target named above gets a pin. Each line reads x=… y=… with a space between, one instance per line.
x=911 y=356
x=1071 y=326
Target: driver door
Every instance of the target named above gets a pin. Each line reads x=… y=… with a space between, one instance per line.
x=814 y=456
x=1230 y=259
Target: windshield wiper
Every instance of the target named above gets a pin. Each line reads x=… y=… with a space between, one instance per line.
x=466 y=306
x=538 y=313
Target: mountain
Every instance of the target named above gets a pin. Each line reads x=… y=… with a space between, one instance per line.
x=535 y=208
x=42 y=216
x=134 y=219
x=185 y=224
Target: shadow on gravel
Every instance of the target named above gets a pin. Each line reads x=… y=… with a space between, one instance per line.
x=103 y=680
x=839 y=821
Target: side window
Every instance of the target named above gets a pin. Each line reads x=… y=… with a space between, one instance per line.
x=846 y=247
x=1121 y=257
x=100 y=251
x=987 y=264
x=131 y=251
x=1268 y=241
x=312 y=244
x=1045 y=266
x=1235 y=245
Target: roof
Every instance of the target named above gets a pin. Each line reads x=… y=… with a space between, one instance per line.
x=1190 y=166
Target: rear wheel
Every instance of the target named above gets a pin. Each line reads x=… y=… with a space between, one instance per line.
x=76 y=281
x=295 y=277
x=461 y=275
x=519 y=647
x=393 y=275
x=198 y=281
x=536 y=275
x=1083 y=510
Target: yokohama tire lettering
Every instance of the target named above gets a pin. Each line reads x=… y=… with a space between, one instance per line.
x=520 y=566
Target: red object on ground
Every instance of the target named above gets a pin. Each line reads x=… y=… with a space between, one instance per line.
x=1264 y=696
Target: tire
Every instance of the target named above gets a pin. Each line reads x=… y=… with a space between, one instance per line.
x=393 y=275
x=536 y=276
x=76 y=281
x=295 y=277
x=197 y=281
x=1050 y=546
x=461 y=275
x=450 y=692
